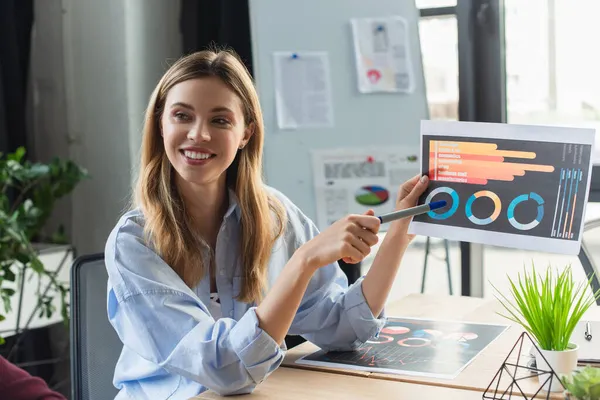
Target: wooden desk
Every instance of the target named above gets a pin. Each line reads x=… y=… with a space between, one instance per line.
x=295 y=381
x=477 y=375
x=300 y=384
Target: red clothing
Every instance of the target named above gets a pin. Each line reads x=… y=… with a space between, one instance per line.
x=18 y=384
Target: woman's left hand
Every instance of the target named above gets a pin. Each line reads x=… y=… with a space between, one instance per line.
x=408 y=195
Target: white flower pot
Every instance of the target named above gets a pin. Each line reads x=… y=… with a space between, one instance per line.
x=562 y=362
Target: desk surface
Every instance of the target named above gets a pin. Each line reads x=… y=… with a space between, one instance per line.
x=301 y=384
x=295 y=381
x=479 y=373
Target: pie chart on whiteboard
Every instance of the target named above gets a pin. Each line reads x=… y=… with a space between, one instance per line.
x=371 y=195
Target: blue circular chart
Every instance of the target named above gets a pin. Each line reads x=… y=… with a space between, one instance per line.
x=483 y=221
x=451 y=211
x=510 y=214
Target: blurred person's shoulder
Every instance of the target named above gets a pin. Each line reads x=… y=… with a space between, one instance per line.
x=16 y=383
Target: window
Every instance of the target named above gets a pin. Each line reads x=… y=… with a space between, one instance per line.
x=439 y=45
x=524 y=62
x=552 y=76
x=435 y=3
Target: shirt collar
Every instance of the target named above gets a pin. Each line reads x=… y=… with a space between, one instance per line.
x=234 y=205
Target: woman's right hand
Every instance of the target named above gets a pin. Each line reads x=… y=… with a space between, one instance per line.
x=349 y=238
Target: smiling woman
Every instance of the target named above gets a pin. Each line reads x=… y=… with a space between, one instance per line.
x=212 y=268
x=204 y=126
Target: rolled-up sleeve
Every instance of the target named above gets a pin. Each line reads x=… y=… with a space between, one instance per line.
x=159 y=318
x=332 y=315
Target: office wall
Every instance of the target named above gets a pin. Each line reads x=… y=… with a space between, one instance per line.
x=96 y=64
x=47 y=135
x=153 y=42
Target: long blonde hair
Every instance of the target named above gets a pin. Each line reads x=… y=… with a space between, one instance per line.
x=263 y=218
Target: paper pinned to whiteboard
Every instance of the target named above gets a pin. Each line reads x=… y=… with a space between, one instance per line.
x=382 y=55
x=303 y=90
x=354 y=180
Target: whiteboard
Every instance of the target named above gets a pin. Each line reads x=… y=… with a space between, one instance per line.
x=361 y=120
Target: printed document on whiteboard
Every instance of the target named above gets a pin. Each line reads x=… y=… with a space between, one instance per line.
x=382 y=55
x=303 y=90
x=354 y=180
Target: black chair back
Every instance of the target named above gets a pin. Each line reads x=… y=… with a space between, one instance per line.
x=95 y=346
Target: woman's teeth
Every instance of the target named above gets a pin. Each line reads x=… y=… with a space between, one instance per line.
x=196 y=156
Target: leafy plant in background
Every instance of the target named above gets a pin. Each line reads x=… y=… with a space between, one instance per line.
x=28 y=193
x=584 y=385
x=548 y=307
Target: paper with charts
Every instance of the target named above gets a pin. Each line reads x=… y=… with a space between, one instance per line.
x=506 y=185
x=412 y=346
x=382 y=53
x=354 y=180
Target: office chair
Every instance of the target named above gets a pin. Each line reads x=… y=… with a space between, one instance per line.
x=95 y=346
x=586 y=254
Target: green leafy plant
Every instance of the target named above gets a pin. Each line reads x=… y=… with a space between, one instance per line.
x=584 y=385
x=28 y=193
x=548 y=307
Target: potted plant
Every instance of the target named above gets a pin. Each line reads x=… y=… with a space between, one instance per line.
x=584 y=385
x=548 y=308
x=28 y=193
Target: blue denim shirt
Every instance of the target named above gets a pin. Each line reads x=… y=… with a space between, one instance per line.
x=172 y=346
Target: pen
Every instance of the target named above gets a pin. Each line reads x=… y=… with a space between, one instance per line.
x=409 y=212
x=588 y=331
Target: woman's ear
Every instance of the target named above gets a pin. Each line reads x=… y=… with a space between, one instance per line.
x=248 y=132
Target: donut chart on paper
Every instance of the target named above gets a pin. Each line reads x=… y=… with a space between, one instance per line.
x=510 y=214
x=371 y=195
x=455 y=202
x=381 y=339
x=395 y=330
x=483 y=221
x=414 y=342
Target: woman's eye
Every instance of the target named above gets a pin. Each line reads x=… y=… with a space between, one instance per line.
x=220 y=121
x=180 y=116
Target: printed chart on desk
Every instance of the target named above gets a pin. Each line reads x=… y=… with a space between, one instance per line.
x=506 y=185
x=412 y=346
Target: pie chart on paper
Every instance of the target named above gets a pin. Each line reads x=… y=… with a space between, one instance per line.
x=371 y=195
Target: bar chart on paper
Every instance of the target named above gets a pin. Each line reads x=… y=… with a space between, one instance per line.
x=507 y=189
x=569 y=179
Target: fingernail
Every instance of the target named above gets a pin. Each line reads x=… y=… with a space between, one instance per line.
x=424 y=179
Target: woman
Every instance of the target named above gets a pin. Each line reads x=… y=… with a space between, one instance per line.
x=211 y=269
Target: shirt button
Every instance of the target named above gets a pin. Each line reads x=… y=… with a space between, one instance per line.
x=222 y=272
x=231 y=314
